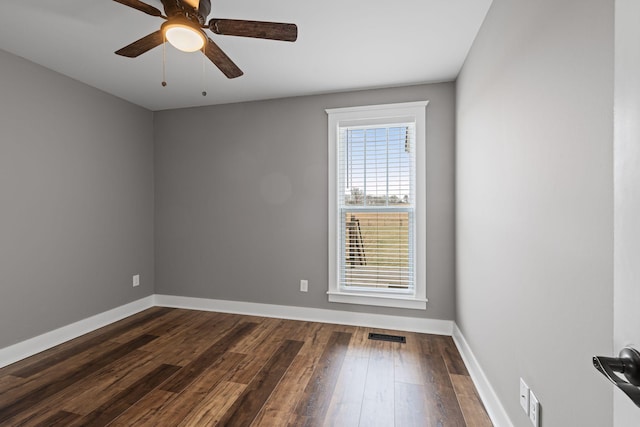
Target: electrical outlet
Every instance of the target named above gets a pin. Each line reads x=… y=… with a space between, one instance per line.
x=524 y=396
x=136 y=280
x=534 y=409
x=304 y=285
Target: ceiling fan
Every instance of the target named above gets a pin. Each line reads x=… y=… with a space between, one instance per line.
x=185 y=22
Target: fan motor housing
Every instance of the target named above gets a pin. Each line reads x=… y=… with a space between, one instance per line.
x=173 y=8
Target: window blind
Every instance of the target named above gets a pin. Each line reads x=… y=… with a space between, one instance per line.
x=376 y=201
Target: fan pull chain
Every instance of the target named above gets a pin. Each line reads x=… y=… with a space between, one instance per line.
x=204 y=63
x=164 y=60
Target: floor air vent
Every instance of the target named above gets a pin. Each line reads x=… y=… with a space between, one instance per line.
x=385 y=337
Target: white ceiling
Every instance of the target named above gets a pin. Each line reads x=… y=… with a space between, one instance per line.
x=342 y=45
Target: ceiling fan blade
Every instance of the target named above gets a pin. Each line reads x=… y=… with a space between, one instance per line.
x=143 y=7
x=256 y=29
x=221 y=60
x=143 y=45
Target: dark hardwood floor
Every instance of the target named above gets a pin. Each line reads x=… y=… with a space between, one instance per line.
x=173 y=367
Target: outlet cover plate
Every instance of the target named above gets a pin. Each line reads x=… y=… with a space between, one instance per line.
x=304 y=285
x=136 y=280
x=524 y=396
x=534 y=409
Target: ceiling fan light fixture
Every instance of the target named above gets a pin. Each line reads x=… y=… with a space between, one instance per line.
x=184 y=35
x=184 y=29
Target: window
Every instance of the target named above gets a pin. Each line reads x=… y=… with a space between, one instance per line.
x=377 y=205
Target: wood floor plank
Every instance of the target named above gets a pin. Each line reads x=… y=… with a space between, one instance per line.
x=283 y=400
x=194 y=369
x=93 y=390
x=429 y=344
x=345 y=406
x=267 y=345
x=178 y=329
x=174 y=318
x=14 y=367
x=378 y=404
x=451 y=356
x=265 y=330
x=9 y=382
x=61 y=356
x=17 y=389
x=472 y=408
x=272 y=417
x=247 y=406
x=408 y=368
x=60 y=419
x=441 y=401
x=314 y=335
x=346 y=402
x=359 y=344
x=213 y=408
x=314 y=404
x=104 y=384
x=409 y=406
x=49 y=389
x=110 y=382
x=183 y=344
x=138 y=322
x=128 y=397
x=144 y=412
x=173 y=412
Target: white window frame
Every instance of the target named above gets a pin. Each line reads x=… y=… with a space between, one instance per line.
x=375 y=115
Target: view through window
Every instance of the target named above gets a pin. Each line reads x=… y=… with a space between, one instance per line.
x=376 y=207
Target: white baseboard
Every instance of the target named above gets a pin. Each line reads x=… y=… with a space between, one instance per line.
x=381 y=321
x=487 y=394
x=21 y=350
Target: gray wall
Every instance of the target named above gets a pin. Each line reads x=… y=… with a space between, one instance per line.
x=627 y=194
x=535 y=204
x=76 y=196
x=241 y=199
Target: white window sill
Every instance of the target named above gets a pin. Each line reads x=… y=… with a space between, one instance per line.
x=379 y=300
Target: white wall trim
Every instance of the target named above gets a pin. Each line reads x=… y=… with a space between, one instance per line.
x=369 y=115
x=24 y=349
x=371 y=320
x=487 y=394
